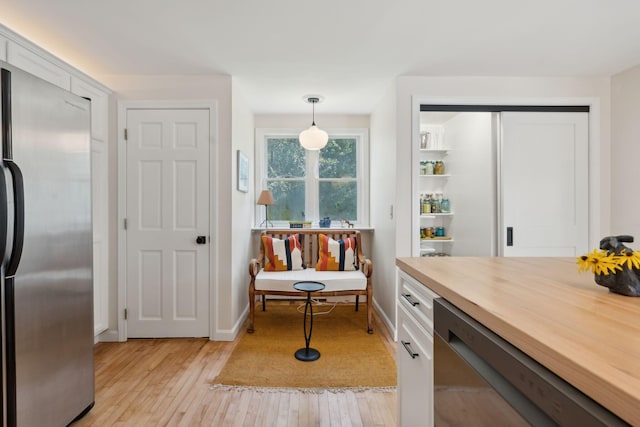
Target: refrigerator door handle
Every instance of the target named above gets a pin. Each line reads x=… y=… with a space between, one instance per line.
x=18 y=222
x=5 y=81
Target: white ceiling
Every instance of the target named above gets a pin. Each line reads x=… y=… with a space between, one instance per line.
x=349 y=51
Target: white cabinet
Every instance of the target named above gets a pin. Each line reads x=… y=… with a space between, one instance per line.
x=100 y=198
x=415 y=352
x=99 y=210
x=29 y=61
x=3 y=48
x=99 y=106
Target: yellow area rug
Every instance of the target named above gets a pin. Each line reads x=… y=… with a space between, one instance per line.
x=350 y=358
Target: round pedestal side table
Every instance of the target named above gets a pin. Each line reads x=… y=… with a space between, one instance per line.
x=307 y=354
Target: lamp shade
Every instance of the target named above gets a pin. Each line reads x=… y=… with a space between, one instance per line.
x=266 y=198
x=313 y=138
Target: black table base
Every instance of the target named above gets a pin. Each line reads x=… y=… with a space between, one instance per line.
x=308 y=354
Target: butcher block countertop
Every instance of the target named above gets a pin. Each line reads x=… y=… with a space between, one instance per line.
x=559 y=317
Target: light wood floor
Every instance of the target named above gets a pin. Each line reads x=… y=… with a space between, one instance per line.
x=165 y=382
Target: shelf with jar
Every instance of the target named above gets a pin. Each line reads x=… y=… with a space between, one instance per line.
x=434 y=204
x=432 y=139
x=435 y=215
x=432 y=168
x=434 y=234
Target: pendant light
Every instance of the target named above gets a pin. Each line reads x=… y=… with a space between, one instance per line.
x=313 y=138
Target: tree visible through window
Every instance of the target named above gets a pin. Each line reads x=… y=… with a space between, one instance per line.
x=338 y=175
x=310 y=185
x=286 y=176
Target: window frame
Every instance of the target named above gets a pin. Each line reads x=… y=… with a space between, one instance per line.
x=312 y=179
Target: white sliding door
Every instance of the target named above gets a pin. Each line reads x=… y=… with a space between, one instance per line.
x=544 y=184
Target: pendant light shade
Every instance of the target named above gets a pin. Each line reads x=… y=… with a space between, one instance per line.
x=313 y=138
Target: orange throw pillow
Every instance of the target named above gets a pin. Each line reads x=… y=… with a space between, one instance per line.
x=283 y=255
x=336 y=255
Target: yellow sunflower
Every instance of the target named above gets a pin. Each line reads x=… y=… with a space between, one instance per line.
x=598 y=262
x=629 y=258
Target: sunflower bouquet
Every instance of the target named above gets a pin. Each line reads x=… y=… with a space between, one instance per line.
x=614 y=265
x=605 y=262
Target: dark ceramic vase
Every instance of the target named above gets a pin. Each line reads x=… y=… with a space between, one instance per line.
x=624 y=282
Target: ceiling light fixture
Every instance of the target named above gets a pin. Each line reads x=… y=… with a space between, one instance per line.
x=313 y=138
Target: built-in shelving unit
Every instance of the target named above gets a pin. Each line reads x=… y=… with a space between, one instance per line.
x=431 y=185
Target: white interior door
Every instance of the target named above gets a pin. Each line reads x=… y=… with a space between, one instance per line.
x=167 y=209
x=544 y=184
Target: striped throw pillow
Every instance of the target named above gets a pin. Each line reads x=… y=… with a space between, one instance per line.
x=336 y=255
x=283 y=255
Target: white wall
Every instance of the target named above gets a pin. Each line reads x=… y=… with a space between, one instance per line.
x=472 y=186
x=503 y=90
x=383 y=187
x=147 y=88
x=625 y=153
x=242 y=124
x=303 y=121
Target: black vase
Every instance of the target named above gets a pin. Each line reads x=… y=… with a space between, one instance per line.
x=624 y=282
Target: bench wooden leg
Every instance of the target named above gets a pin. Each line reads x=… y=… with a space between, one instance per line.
x=264 y=301
x=357 y=301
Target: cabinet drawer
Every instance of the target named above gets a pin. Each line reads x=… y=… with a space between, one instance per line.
x=417 y=300
x=415 y=372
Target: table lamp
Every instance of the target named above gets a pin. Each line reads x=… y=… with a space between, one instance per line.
x=266 y=199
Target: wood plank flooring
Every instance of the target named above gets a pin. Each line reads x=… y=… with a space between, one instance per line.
x=165 y=382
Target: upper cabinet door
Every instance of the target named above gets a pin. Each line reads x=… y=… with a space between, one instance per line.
x=99 y=107
x=38 y=66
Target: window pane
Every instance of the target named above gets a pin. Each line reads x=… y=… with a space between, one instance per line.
x=285 y=158
x=338 y=200
x=289 y=197
x=338 y=159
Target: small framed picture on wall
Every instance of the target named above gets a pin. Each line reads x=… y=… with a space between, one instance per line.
x=243 y=172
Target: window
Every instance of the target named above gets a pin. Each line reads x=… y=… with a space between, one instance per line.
x=309 y=185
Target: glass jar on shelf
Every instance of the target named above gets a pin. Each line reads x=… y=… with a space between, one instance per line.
x=444 y=206
x=435 y=205
x=426 y=204
x=428 y=168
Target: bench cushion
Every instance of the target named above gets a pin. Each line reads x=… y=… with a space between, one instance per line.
x=333 y=280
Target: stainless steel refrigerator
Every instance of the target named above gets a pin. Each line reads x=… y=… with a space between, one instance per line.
x=46 y=253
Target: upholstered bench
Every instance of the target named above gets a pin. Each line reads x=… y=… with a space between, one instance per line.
x=330 y=256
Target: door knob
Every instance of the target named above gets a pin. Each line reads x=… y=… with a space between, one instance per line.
x=201 y=240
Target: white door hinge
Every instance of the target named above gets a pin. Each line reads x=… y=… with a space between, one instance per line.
x=125 y=223
x=126 y=134
x=125 y=314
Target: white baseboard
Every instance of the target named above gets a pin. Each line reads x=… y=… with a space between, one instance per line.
x=231 y=334
x=388 y=323
x=110 y=335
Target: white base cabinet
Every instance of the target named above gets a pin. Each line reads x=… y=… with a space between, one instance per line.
x=415 y=352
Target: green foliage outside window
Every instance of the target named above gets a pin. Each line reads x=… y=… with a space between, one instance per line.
x=336 y=181
x=338 y=191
